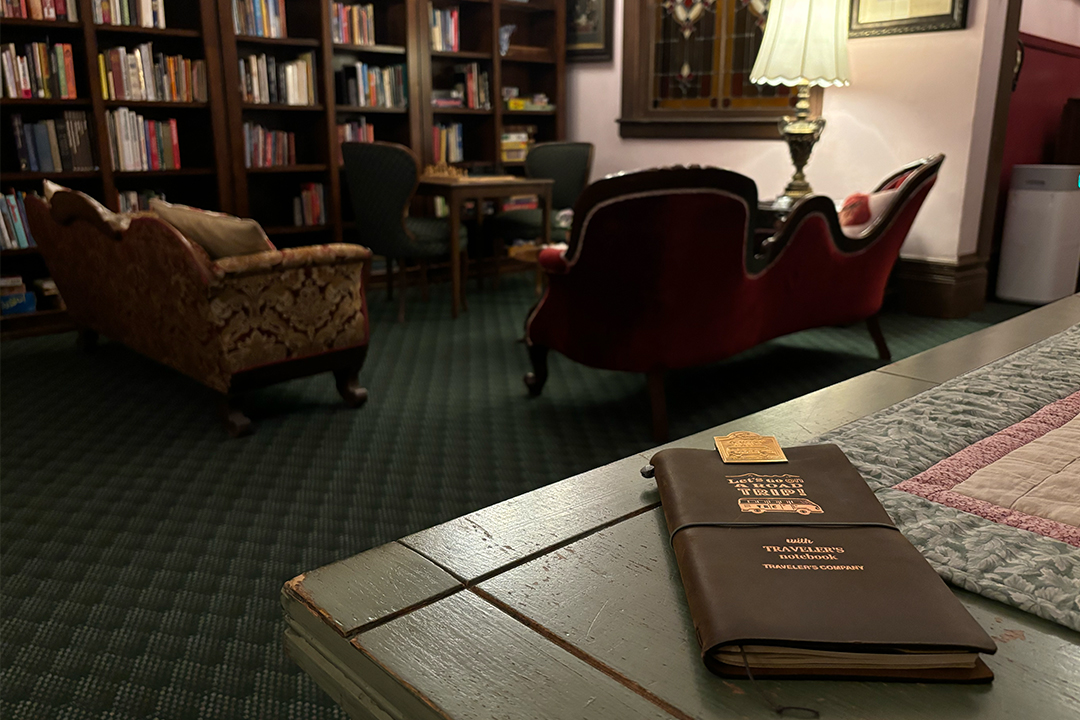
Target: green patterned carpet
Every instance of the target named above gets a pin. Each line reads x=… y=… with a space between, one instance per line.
x=143 y=550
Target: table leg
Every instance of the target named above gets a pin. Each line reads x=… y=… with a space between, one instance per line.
x=455 y=254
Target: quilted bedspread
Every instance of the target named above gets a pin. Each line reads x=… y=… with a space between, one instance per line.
x=903 y=447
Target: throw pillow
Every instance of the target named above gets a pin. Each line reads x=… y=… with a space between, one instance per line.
x=876 y=205
x=67 y=205
x=220 y=235
x=856 y=210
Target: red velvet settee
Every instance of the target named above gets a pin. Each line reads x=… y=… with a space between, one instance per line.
x=662 y=272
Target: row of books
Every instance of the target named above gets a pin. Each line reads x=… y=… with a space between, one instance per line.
x=268 y=148
x=264 y=80
x=138 y=200
x=261 y=18
x=66 y=10
x=44 y=71
x=310 y=207
x=139 y=74
x=472 y=89
x=352 y=24
x=136 y=143
x=16 y=231
x=54 y=145
x=141 y=13
x=357 y=131
x=448 y=143
x=444 y=28
x=366 y=85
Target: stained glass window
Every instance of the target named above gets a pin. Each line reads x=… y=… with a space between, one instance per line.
x=702 y=54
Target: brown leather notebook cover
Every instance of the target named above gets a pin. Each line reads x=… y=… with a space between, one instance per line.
x=802 y=555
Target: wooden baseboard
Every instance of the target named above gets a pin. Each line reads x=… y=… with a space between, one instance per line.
x=937 y=289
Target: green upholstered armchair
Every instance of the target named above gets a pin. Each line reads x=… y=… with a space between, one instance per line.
x=382 y=179
x=569 y=165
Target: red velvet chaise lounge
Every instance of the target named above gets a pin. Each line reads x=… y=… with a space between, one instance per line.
x=662 y=271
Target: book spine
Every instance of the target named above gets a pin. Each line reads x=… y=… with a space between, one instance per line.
x=63 y=145
x=175 y=143
x=13 y=209
x=69 y=71
x=20 y=144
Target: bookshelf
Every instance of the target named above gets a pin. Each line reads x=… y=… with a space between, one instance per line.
x=203 y=178
x=213 y=174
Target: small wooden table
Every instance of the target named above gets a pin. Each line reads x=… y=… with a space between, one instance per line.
x=566 y=602
x=458 y=190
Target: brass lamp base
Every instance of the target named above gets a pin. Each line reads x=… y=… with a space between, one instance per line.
x=801 y=133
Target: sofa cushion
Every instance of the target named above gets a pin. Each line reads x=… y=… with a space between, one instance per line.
x=875 y=206
x=219 y=234
x=67 y=205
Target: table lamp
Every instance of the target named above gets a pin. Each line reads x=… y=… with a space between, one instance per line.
x=805 y=43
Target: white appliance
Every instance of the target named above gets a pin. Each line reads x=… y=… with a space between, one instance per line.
x=1040 y=246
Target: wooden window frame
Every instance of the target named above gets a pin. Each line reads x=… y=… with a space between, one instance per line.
x=639 y=120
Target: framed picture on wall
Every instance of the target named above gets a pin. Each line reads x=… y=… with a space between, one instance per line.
x=588 y=31
x=893 y=17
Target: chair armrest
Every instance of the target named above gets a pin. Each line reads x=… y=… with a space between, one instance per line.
x=552 y=260
x=290 y=258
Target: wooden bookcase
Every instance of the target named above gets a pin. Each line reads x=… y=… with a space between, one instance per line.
x=213 y=175
x=535 y=64
x=203 y=179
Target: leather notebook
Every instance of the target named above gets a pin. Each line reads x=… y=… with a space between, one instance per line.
x=795 y=570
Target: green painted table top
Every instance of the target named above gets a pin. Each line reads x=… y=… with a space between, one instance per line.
x=566 y=602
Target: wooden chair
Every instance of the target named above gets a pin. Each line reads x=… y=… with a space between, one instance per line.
x=382 y=179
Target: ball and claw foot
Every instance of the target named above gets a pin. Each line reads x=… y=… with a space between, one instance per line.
x=348 y=386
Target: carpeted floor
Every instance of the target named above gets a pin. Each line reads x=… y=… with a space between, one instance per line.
x=143 y=550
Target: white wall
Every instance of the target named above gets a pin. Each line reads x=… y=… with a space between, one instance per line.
x=910 y=96
x=1052 y=19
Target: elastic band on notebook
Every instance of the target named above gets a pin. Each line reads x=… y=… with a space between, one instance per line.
x=671 y=537
x=781 y=710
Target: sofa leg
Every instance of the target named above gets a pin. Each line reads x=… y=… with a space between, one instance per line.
x=658 y=401
x=236 y=423
x=874 y=327
x=348 y=386
x=535 y=380
x=464 y=279
x=87 y=340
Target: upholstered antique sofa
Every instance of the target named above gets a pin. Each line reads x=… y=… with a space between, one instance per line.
x=664 y=271
x=232 y=323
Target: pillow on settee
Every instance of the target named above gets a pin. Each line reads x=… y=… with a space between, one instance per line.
x=860 y=211
x=67 y=205
x=220 y=235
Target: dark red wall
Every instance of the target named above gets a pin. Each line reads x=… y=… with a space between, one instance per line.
x=1050 y=76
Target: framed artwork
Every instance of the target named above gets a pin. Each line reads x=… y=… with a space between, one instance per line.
x=893 y=17
x=588 y=31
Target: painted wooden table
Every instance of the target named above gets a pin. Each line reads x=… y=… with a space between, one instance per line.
x=458 y=190
x=566 y=602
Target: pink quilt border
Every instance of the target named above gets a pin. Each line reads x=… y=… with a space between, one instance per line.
x=936 y=483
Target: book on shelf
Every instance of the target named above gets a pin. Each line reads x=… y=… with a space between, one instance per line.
x=12 y=285
x=472 y=85
x=352 y=24
x=137 y=200
x=48 y=294
x=520 y=202
x=268 y=148
x=42 y=71
x=138 y=144
x=792 y=568
x=260 y=18
x=18 y=303
x=140 y=74
x=264 y=80
x=309 y=208
x=448 y=143
x=356 y=131
x=140 y=13
x=516 y=141
x=54 y=145
x=16 y=233
x=363 y=85
x=444 y=28
x=64 y=10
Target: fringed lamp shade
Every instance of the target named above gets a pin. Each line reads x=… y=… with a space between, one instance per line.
x=805 y=42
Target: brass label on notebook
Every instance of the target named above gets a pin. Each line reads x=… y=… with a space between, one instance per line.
x=748 y=447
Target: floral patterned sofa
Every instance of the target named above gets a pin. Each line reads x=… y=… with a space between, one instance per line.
x=231 y=323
